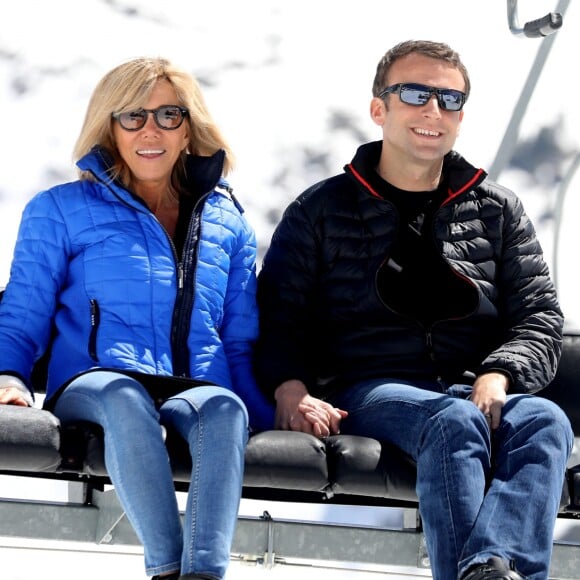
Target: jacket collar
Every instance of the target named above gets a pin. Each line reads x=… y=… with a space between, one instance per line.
x=202 y=173
x=460 y=174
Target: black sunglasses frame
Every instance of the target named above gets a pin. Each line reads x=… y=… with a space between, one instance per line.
x=400 y=88
x=155 y=112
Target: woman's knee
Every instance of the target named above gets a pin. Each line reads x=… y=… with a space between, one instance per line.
x=112 y=392
x=215 y=405
x=225 y=407
x=212 y=417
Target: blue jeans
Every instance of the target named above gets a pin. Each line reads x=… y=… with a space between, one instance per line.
x=213 y=421
x=480 y=494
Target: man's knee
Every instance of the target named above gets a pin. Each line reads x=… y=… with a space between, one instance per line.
x=462 y=417
x=530 y=412
x=461 y=411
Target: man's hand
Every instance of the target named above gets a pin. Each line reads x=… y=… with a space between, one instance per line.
x=296 y=410
x=13 y=396
x=489 y=395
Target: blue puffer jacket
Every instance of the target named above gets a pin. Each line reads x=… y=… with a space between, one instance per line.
x=95 y=272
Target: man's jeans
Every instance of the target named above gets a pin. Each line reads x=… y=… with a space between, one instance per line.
x=480 y=495
x=214 y=422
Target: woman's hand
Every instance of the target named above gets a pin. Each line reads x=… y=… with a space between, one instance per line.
x=13 y=396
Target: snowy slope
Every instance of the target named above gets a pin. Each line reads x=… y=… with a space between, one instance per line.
x=290 y=83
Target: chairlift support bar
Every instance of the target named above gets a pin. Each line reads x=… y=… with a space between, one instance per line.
x=510 y=138
x=558 y=215
x=534 y=28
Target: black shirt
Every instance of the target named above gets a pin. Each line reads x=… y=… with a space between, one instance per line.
x=415 y=280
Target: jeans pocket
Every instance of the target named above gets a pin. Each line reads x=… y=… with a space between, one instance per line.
x=460 y=391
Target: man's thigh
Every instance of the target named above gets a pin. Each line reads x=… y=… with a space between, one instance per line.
x=393 y=410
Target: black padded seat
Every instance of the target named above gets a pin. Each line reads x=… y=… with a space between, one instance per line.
x=29 y=439
x=367 y=467
x=564 y=390
x=286 y=460
x=277 y=459
x=278 y=464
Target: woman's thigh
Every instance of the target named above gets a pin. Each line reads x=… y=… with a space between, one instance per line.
x=104 y=396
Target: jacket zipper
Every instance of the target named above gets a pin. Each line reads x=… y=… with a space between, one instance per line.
x=429 y=330
x=95 y=322
x=183 y=307
x=180 y=350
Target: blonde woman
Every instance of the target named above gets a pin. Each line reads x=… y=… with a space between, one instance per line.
x=144 y=286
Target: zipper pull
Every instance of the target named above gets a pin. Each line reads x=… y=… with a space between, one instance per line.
x=180 y=276
x=429 y=341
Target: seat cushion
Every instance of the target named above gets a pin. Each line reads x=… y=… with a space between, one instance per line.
x=29 y=439
x=286 y=460
x=364 y=466
x=274 y=459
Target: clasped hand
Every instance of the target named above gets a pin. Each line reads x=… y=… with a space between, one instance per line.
x=296 y=410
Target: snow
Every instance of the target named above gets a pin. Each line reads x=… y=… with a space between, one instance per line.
x=290 y=85
x=278 y=76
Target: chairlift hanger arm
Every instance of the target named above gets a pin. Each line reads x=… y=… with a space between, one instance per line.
x=538 y=28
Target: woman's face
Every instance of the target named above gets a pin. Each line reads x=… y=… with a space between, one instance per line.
x=151 y=152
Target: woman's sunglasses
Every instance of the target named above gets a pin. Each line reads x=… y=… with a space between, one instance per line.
x=168 y=117
x=418 y=95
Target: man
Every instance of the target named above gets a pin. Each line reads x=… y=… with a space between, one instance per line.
x=407 y=299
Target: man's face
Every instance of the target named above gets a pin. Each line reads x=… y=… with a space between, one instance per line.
x=424 y=133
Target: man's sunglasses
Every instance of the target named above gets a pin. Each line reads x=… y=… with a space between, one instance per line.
x=418 y=95
x=168 y=117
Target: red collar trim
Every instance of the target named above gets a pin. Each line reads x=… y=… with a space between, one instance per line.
x=364 y=182
x=453 y=194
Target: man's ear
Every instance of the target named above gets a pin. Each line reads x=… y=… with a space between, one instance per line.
x=459 y=125
x=378 y=111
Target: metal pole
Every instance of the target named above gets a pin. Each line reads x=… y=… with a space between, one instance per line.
x=534 y=28
x=558 y=211
x=508 y=144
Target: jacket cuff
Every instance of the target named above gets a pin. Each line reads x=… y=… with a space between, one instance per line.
x=7 y=381
x=507 y=374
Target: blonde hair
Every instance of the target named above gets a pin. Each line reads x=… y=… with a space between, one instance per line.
x=127 y=87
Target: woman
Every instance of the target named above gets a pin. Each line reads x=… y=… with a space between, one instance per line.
x=140 y=276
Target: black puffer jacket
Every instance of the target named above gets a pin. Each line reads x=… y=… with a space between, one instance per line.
x=325 y=322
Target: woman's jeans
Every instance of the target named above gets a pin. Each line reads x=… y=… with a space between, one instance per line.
x=213 y=421
x=480 y=494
